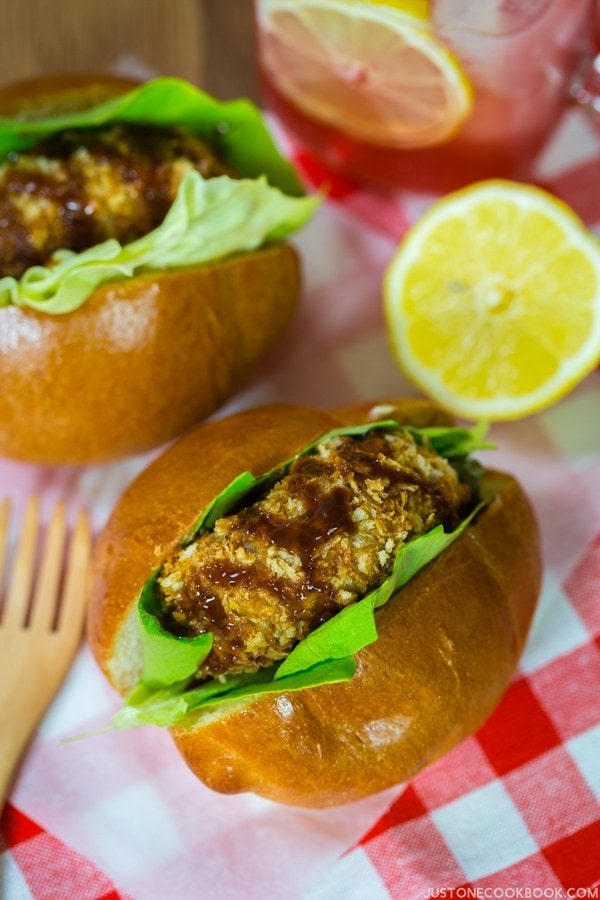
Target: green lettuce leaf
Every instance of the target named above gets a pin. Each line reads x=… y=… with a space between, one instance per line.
x=324 y=656
x=169 y=706
x=453 y=442
x=167 y=659
x=354 y=627
x=235 y=129
x=209 y=219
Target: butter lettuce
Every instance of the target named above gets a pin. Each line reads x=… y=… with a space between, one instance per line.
x=235 y=129
x=209 y=220
x=167 y=692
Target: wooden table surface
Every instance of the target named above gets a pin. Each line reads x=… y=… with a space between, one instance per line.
x=209 y=42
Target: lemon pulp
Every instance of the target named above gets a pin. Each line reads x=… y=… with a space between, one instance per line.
x=374 y=70
x=492 y=301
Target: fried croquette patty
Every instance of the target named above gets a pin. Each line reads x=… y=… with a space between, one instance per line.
x=81 y=187
x=320 y=539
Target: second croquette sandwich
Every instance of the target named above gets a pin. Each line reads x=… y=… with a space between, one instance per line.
x=339 y=614
x=318 y=541
x=143 y=263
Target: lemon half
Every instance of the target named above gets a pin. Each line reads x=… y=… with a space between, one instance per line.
x=492 y=301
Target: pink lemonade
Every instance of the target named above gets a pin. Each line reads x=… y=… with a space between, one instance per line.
x=519 y=56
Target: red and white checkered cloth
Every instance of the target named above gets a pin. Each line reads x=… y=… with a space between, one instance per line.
x=512 y=810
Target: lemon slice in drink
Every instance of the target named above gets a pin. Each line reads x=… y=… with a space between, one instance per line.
x=371 y=68
x=492 y=301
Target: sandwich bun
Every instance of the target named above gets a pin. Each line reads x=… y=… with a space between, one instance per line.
x=144 y=358
x=449 y=640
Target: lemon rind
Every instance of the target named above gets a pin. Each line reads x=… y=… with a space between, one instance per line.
x=417 y=34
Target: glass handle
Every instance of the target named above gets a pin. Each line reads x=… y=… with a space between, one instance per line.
x=585 y=88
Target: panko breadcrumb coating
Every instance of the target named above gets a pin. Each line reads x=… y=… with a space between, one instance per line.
x=321 y=538
x=81 y=187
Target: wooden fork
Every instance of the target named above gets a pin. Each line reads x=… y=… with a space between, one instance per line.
x=40 y=631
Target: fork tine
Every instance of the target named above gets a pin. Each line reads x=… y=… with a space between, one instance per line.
x=4 y=524
x=19 y=590
x=74 y=600
x=46 y=591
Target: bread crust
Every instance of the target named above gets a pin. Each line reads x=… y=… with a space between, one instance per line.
x=144 y=358
x=448 y=642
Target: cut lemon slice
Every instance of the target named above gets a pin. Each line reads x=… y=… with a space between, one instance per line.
x=373 y=69
x=492 y=301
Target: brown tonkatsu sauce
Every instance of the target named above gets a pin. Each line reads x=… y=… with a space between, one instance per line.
x=334 y=516
x=325 y=515
x=81 y=187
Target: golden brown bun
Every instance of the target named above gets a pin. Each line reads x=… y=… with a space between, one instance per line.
x=449 y=641
x=143 y=359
